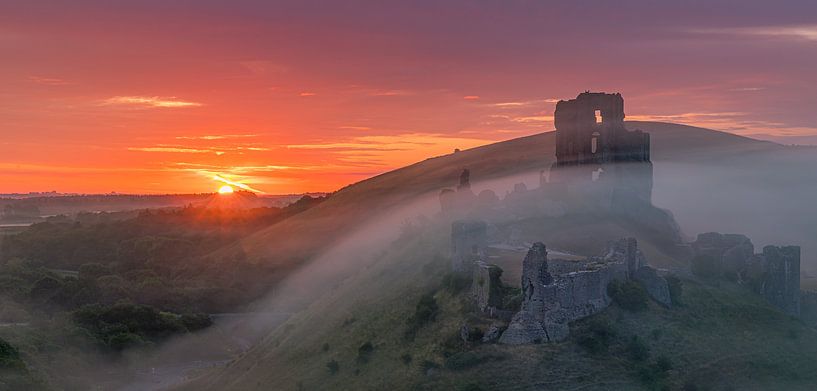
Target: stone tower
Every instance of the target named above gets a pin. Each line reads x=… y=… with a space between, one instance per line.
x=593 y=145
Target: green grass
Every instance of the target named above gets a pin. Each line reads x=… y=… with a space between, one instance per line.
x=721 y=338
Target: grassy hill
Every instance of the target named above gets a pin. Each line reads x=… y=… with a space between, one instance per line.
x=352 y=335
x=722 y=337
x=352 y=205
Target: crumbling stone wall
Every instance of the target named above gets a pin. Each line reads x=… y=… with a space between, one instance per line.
x=461 y=200
x=781 y=285
x=552 y=301
x=486 y=286
x=774 y=273
x=469 y=239
x=730 y=251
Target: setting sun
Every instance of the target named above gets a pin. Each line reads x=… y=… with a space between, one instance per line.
x=226 y=189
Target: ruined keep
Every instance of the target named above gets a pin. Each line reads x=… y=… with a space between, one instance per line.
x=593 y=145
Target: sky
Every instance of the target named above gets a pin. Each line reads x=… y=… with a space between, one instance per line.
x=300 y=96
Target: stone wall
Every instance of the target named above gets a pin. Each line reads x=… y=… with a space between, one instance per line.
x=781 y=285
x=552 y=301
x=774 y=273
x=469 y=239
x=486 y=286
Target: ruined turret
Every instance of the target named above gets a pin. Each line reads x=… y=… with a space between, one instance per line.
x=469 y=239
x=781 y=286
x=593 y=145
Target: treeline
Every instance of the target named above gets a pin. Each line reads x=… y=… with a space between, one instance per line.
x=135 y=281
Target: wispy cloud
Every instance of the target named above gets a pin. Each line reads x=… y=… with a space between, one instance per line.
x=390 y=93
x=747 y=89
x=148 y=101
x=222 y=179
x=355 y=127
x=49 y=81
x=795 y=32
x=400 y=142
x=535 y=102
x=171 y=150
x=218 y=150
x=532 y=119
x=306 y=93
x=471 y=97
x=216 y=137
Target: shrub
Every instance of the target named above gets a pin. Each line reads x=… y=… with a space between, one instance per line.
x=637 y=349
x=406 y=359
x=471 y=387
x=425 y=311
x=9 y=356
x=663 y=364
x=455 y=282
x=465 y=360
x=333 y=367
x=628 y=295
x=706 y=266
x=92 y=271
x=597 y=335
x=676 y=288
x=427 y=365
x=511 y=298
x=364 y=352
x=194 y=322
x=325 y=347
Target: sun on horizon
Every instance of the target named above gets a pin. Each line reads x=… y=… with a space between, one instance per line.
x=226 y=189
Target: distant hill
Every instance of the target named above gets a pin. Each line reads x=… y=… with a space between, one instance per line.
x=682 y=184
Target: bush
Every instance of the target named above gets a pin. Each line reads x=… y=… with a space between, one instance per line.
x=9 y=356
x=194 y=322
x=406 y=359
x=425 y=311
x=597 y=335
x=465 y=360
x=663 y=364
x=124 y=325
x=676 y=288
x=364 y=352
x=637 y=349
x=92 y=271
x=628 y=295
x=333 y=367
x=455 y=282
x=427 y=365
x=471 y=387
x=706 y=266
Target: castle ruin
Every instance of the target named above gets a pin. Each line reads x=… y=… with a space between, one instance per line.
x=593 y=145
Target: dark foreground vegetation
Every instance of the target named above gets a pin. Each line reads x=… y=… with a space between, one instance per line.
x=117 y=281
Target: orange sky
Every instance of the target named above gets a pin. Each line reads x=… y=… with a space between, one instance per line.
x=151 y=97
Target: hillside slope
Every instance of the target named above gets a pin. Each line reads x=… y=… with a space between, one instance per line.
x=350 y=206
x=701 y=175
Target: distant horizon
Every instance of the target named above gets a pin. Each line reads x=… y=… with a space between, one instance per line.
x=793 y=141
